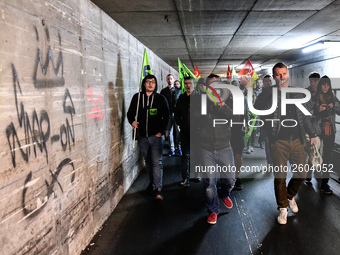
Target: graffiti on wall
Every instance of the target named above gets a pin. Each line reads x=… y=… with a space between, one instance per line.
x=29 y=133
x=40 y=203
x=66 y=135
x=35 y=136
x=49 y=64
x=97 y=111
x=36 y=127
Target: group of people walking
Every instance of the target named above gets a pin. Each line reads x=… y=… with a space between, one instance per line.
x=189 y=119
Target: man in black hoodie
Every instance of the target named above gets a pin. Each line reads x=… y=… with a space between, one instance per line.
x=151 y=119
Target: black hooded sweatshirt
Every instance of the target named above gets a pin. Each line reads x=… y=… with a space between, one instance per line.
x=153 y=113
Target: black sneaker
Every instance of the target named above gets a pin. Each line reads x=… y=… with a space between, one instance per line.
x=159 y=195
x=185 y=182
x=196 y=179
x=326 y=189
x=238 y=184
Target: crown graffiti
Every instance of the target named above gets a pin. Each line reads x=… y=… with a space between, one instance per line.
x=52 y=72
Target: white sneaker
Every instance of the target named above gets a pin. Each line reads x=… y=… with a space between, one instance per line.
x=251 y=148
x=293 y=206
x=282 y=218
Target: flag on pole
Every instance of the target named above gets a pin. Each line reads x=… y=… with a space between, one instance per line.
x=253 y=118
x=229 y=73
x=247 y=75
x=146 y=69
x=184 y=72
x=197 y=73
x=233 y=73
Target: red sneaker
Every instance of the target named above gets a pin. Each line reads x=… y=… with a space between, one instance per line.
x=228 y=203
x=159 y=195
x=212 y=218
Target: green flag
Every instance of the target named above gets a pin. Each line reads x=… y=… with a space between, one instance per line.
x=233 y=73
x=146 y=69
x=251 y=127
x=184 y=72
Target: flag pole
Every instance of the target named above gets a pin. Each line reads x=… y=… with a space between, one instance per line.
x=135 y=129
x=145 y=70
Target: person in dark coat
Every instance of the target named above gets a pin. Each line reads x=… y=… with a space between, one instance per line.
x=182 y=117
x=325 y=107
x=171 y=95
x=286 y=141
x=149 y=114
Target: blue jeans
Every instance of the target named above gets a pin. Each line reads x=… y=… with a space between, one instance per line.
x=185 y=160
x=173 y=134
x=222 y=157
x=152 y=150
x=251 y=139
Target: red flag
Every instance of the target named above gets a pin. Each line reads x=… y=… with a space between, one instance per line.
x=197 y=73
x=246 y=74
x=229 y=73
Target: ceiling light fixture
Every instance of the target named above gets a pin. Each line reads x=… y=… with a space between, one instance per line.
x=313 y=47
x=320 y=45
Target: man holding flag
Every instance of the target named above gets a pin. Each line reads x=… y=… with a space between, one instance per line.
x=151 y=123
x=149 y=114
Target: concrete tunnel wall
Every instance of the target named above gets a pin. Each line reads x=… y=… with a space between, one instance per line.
x=67 y=75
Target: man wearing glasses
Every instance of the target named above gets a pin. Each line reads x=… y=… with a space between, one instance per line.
x=149 y=115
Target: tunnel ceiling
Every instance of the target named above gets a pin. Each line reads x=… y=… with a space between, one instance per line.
x=214 y=34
